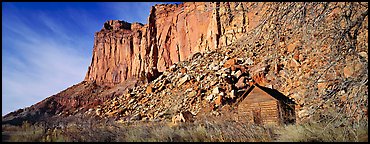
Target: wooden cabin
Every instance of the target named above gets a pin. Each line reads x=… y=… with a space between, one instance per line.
x=262 y=105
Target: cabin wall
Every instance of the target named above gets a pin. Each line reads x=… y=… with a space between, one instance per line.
x=265 y=112
x=286 y=113
x=260 y=107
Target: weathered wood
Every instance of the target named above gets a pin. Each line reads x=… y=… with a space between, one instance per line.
x=259 y=106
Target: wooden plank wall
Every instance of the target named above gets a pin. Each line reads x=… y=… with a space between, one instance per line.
x=268 y=111
x=271 y=110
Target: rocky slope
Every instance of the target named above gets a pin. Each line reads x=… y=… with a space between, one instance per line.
x=173 y=33
x=201 y=57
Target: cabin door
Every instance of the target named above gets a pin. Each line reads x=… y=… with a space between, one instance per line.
x=257 y=119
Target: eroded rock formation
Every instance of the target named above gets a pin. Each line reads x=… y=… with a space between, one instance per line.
x=173 y=33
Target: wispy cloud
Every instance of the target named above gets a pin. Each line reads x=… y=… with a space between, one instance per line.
x=47 y=47
x=38 y=60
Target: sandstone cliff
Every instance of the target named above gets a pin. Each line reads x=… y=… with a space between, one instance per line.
x=173 y=33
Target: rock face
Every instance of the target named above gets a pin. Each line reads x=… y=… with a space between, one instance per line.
x=173 y=33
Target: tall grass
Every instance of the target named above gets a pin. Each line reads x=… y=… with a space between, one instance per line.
x=207 y=130
x=321 y=132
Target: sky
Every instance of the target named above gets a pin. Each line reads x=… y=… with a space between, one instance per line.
x=47 y=46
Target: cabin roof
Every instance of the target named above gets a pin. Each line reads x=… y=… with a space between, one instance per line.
x=270 y=92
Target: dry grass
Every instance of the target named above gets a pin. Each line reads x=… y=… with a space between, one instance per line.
x=199 y=132
x=31 y=133
x=202 y=131
x=207 y=130
x=321 y=132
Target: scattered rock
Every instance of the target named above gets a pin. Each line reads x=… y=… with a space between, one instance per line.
x=184 y=70
x=218 y=100
x=241 y=83
x=136 y=117
x=188 y=116
x=192 y=93
x=183 y=80
x=321 y=84
x=232 y=94
x=349 y=71
x=210 y=97
x=149 y=89
x=214 y=67
x=249 y=61
x=98 y=111
x=238 y=74
x=363 y=54
x=291 y=47
x=216 y=91
x=200 y=77
x=173 y=68
x=183 y=117
x=230 y=63
x=176 y=119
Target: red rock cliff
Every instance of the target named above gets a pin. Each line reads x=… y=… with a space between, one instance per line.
x=173 y=33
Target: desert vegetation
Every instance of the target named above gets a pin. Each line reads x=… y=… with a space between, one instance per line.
x=210 y=129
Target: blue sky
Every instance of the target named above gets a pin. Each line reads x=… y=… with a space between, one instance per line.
x=47 y=47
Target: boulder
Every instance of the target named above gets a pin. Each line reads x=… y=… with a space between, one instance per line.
x=185 y=116
x=183 y=80
x=149 y=89
x=216 y=91
x=241 y=83
x=230 y=63
x=183 y=70
x=218 y=100
x=173 y=68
